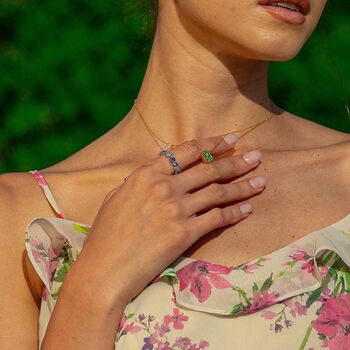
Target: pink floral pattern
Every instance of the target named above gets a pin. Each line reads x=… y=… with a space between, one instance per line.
x=38 y=176
x=201 y=276
x=200 y=305
x=251 y=267
x=281 y=321
x=156 y=333
x=177 y=319
x=305 y=258
x=334 y=322
x=46 y=256
x=261 y=300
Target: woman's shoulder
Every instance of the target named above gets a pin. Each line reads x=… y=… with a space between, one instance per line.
x=23 y=194
x=309 y=133
x=20 y=202
x=309 y=142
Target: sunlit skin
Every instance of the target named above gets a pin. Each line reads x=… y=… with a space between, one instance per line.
x=209 y=65
x=239 y=29
x=207 y=75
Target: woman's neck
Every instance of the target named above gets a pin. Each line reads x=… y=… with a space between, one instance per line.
x=192 y=91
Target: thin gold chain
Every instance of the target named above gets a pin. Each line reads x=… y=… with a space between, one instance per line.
x=155 y=136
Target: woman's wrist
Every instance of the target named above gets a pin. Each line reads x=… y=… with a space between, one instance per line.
x=89 y=285
x=80 y=326
x=94 y=316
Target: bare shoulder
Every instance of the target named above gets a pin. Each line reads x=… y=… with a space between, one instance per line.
x=342 y=155
x=21 y=289
x=307 y=133
x=23 y=196
x=334 y=145
x=21 y=201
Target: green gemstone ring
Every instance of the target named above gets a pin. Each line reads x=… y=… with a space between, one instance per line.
x=207 y=157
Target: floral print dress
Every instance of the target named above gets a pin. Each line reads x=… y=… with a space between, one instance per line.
x=297 y=297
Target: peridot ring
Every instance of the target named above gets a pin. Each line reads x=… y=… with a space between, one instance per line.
x=206 y=156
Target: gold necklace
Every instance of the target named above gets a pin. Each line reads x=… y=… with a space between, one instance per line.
x=155 y=136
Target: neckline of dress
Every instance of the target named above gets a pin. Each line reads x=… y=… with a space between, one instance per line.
x=305 y=237
x=183 y=260
x=326 y=238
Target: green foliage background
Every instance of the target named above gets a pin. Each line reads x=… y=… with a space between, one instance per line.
x=70 y=70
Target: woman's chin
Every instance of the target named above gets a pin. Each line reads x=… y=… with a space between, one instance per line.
x=265 y=48
x=277 y=53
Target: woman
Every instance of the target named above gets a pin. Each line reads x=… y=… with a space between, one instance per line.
x=172 y=262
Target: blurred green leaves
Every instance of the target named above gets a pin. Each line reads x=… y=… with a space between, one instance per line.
x=316 y=84
x=70 y=70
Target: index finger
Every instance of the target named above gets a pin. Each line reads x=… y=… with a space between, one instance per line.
x=190 y=151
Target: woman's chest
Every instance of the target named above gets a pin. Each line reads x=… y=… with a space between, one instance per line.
x=301 y=196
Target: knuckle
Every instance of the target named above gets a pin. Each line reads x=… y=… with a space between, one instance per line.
x=233 y=214
x=218 y=217
x=192 y=147
x=237 y=190
x=217 y=191
x=162 y=189
x=212 y=170
x=237 y=164
x=173 y=209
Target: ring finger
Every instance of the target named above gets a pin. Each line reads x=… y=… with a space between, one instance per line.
x=189 y=152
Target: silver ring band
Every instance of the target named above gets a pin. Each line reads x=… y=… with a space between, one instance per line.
x=172 y=160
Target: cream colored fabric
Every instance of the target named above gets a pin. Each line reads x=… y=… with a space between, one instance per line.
x=296 y=298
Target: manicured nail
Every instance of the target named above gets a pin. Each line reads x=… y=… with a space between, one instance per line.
x=231 y=138
x=258 y=181
x=246 y=208
x=252 y=157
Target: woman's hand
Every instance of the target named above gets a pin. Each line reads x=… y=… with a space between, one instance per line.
x=152 y=218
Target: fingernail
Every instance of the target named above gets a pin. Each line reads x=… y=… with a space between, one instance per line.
x=258 y=181
x=252 y=157
x=230 y=138
x=246 y=208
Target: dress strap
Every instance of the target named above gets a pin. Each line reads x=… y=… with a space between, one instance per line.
x=38 y=176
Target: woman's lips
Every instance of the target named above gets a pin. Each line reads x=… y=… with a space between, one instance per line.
x=289 y=16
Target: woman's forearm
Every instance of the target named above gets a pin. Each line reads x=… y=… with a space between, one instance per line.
x=83 y=318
